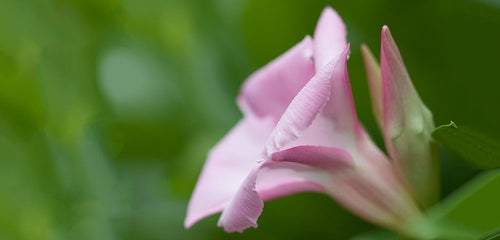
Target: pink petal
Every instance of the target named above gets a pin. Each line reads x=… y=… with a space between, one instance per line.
x=317 y=156
x=368 y=186
x=407 y=125
x=244 y=209
x=370 y=189
x=374 y=81
x=321 y=114
x=295 y=170
x=276 y=178
x=329 y=38
x=269 y=90
x=228 y=163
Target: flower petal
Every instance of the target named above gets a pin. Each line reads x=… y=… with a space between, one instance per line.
x=317 y=156
x=407 y=125
x=245 y=207
x=329 y=38
x=371 y=189
x=294 y=170
x=228 y=163
x=269 y=90
x=278 y=180
x=374 y=81
x=321 y=114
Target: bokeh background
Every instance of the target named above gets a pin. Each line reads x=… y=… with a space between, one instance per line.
x=108 y=107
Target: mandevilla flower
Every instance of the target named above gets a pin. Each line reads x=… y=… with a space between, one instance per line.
x=300 y=132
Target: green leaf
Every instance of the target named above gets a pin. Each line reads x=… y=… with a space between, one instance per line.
x=469 y=213
x=476 y=148
x=493 y=237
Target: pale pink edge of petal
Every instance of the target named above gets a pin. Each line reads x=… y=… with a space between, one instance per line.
x=329 y=37
x=254 y=78
x=190 y=221
x=237 y=217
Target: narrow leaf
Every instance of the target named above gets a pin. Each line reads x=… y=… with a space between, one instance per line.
x=493 y=237
x=469 y=213
x=474 y=147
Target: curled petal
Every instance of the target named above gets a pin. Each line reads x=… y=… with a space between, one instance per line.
x=294 y=170
x=302 y=110
x=268 y=91
x=322 y=114
x=245 y=207
x=407 y=125
x=228 y=163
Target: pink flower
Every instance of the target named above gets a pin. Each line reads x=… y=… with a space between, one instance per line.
x=299 y=133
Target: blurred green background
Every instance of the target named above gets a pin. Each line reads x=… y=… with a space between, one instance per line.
x=108 y=107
